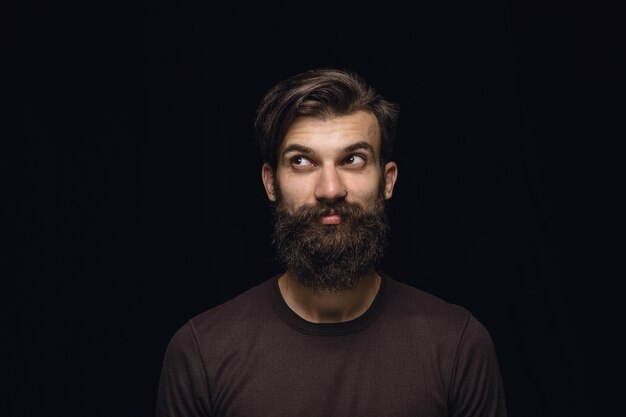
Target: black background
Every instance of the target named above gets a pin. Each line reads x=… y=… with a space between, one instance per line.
x=138 y=202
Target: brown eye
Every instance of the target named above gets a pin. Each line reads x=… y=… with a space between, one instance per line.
x=354 y=160
x=301 y=161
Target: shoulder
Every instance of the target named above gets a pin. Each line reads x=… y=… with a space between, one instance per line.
x=434 y=318
x=412 y=303
x=245 y=304
x=230 y=320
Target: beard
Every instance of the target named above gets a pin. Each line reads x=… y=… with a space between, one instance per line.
x=332 y=257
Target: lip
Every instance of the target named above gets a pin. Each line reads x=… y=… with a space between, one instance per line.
x=330 y=219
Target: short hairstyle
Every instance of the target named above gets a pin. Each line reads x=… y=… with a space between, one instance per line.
x=320 y=93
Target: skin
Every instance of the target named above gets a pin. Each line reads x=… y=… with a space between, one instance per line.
x=328 y=160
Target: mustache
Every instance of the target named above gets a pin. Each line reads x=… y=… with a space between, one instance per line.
x=313 y=212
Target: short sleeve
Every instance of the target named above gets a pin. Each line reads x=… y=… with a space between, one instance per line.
x=476 y=382
x=183 y=389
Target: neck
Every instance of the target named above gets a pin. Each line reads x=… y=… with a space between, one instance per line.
x=329 y=306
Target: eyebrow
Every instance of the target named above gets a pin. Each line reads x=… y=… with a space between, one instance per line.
x=294 y=147
x=360 y=145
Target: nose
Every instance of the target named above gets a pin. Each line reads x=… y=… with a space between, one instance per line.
x=329 y=186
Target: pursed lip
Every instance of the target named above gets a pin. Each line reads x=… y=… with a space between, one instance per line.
x=332 y=217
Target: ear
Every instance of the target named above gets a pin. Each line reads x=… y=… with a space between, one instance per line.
x=267 y=175
x=391 y=174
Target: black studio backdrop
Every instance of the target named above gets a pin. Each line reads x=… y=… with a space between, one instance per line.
x=139 y=201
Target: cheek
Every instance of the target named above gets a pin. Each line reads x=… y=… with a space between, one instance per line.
x=294 y=192
x=365 y=191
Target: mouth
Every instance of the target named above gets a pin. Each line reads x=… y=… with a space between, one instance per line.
x=330 y=218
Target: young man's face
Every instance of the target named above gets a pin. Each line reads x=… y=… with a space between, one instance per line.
x=330 y=192
x=326 y=161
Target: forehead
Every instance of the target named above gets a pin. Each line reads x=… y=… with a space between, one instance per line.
x=340 y=130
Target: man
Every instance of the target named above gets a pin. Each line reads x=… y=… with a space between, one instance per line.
x=330 y=336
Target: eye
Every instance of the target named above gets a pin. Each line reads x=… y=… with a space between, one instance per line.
x=354 y=160
x=301 y=161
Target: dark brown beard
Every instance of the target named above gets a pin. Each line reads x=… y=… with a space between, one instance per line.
x=331 y=257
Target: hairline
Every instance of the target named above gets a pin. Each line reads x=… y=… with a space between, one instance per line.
x=312 y=94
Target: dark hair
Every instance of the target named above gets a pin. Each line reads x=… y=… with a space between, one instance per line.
x=321 y=93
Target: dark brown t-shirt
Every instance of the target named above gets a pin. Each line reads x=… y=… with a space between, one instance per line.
x=409 y=354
